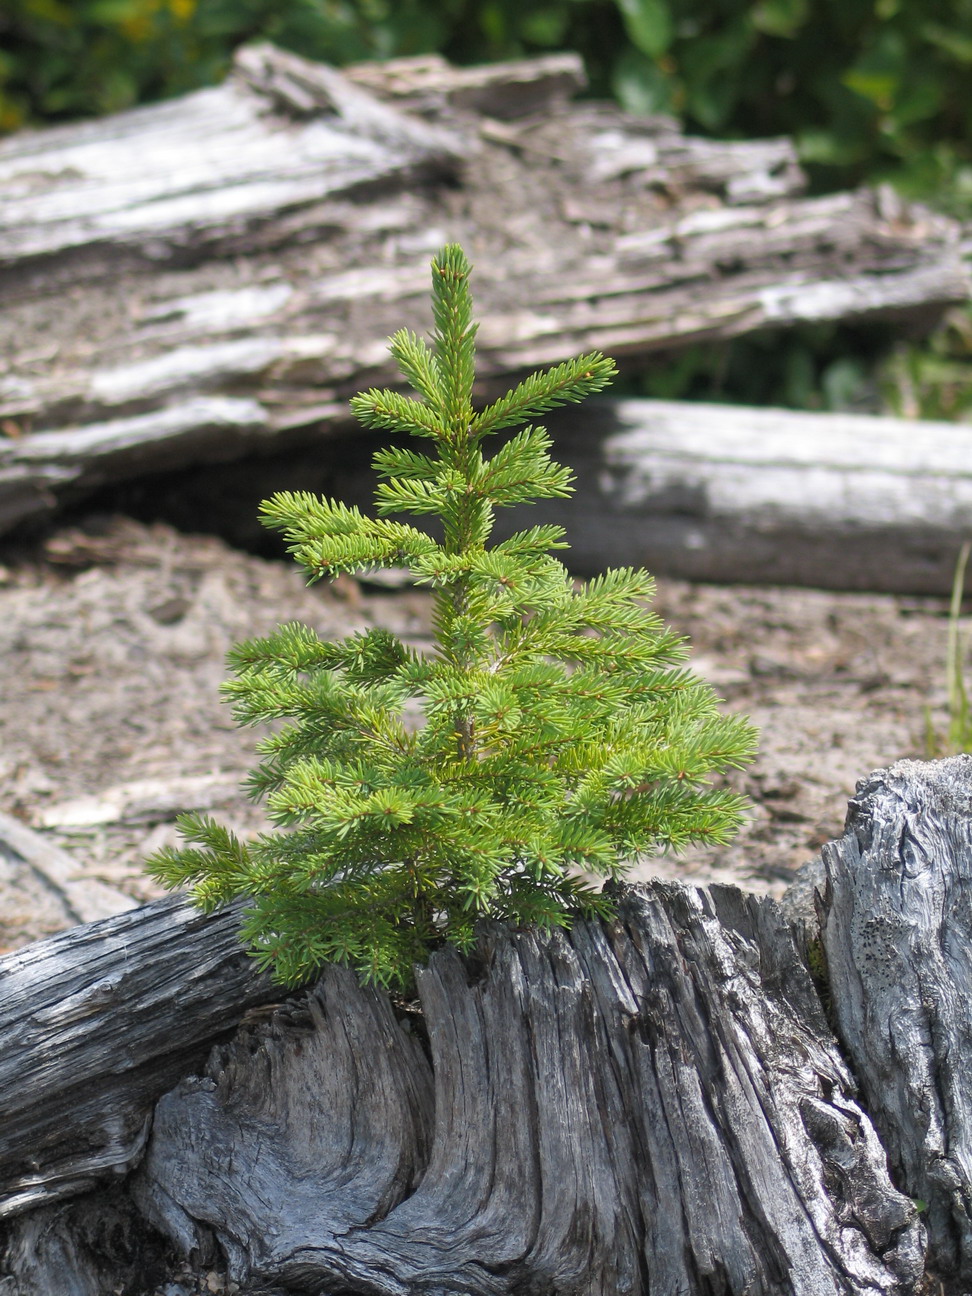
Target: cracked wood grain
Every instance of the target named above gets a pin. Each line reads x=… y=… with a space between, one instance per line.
x=95 y=1024
x=897 y=930
x=655 y=1105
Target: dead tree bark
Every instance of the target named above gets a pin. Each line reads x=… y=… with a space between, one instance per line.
x=652 y=1105
x=164 y=315
x=95 y=1024
x=897 y=923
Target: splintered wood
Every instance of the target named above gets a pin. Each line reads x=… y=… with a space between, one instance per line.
x=896 y=930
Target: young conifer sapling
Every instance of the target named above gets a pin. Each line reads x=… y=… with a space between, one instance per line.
x=562 y=737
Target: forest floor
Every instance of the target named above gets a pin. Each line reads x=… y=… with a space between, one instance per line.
x=112 y=640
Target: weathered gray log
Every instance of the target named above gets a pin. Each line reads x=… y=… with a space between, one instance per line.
x=231 y=291
x=191 y=194
x=655 y=1105
x=897 y=931
x=95 y=1024
x=764 y=496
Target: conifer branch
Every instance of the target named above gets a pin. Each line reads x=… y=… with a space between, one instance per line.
x=565 y=384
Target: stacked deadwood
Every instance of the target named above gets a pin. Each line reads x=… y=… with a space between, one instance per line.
x=651 y=1105
x=213 y=276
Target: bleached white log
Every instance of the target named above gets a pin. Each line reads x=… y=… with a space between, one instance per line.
x=768 y=496
x=217 y=160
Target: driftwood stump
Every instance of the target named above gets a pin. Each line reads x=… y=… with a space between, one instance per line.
x=653 y=1105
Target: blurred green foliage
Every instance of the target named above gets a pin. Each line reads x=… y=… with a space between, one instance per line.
x=822 y=367
x=869 y=89
x=933 y=380
x=70 y=58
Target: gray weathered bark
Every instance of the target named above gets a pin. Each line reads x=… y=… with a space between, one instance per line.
x=91 y=1245
x=652 y=1105
x=655 y=1105
x=231 y=291
x=95 y=1024
x=897 y=930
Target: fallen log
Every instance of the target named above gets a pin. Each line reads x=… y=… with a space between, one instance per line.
x=95 y=1024
x=183 y=314
x=701 y=492
x=758 y=496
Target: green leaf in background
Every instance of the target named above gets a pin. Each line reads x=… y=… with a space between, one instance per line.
x=649 y=24
x=546 y=26
x=957 y=44
x=49 y=11
x=842 y=382
x=881 y=70
x=113 y=13
x=714 y=67
x=878 y=87
x=492 y=20
x=712 y=101
x=828 y=148
x=917 y=100
x=780 y=17
x=641 y=86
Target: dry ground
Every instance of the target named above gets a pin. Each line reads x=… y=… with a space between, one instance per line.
x=112 y=636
